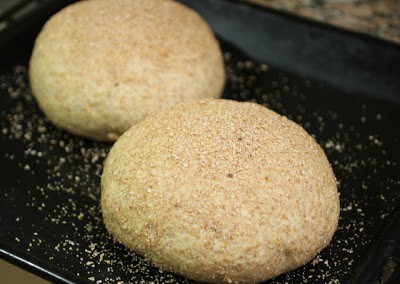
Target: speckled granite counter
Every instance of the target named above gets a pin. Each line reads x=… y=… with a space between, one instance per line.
x=380 y=18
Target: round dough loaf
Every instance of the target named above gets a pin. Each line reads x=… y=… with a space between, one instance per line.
x=220 y=191
x=100 y=66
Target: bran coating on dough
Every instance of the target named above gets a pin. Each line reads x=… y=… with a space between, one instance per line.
x=100 y=66
x=220 y=191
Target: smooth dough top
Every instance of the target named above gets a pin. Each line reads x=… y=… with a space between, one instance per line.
x=220 y=191
x=99 y=66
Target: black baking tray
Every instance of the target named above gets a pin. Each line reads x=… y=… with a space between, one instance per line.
x=342 y=87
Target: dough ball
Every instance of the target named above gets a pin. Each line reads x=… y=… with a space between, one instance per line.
x=220 y=191
x=100 y=66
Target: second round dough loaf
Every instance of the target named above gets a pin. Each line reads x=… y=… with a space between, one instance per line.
x=220 y=191
x=100 y=66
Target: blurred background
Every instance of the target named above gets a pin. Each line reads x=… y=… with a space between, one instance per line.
x=379 y=18
x=11 y=274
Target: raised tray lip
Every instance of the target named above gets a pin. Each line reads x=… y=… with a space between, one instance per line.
x=381 y=59
x=325 y=25
x=55 y=274
x=37 y=266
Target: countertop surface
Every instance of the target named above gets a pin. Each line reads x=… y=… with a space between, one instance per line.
x=380 y=18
